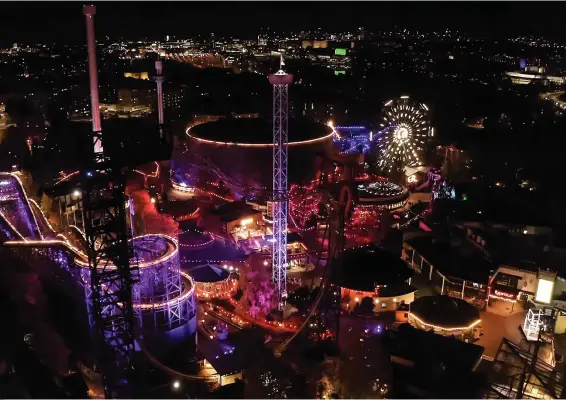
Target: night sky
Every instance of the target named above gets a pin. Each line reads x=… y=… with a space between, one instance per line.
x=29 y=22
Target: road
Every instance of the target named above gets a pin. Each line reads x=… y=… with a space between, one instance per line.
x=555 y=98
x=495 y=327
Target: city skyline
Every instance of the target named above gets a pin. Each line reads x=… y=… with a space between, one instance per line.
x=28 y=21
x=282 y=200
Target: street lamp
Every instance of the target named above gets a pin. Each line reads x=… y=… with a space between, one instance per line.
x=176 y=385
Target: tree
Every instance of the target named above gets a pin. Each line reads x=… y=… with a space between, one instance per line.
x=259 y=293
x=366 y=306
x=302 y=298
x=46 y=205
x=329 y=385
x=14 y=149
x=28 y=183
x=454 y=170
x=146 y=217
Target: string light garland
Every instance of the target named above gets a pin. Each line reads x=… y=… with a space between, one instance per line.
x=382 y=189
x=258 y=145
x=20 y=188
x=32 y=201
x=442 y=328
x=150 y=175
x=66 y=177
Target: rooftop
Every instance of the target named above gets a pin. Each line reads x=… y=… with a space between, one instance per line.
x=233 y=211
x=363 y=268
x=226 y=356
x=454 y=257
x=513 y=248
x=208 y=273
x=218 y=252
x=445 y=311
x=423 y=347
x=435 y=366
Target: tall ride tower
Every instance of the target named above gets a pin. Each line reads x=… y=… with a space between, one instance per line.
x=280 y=81
x=159 y=78
x=107 y=242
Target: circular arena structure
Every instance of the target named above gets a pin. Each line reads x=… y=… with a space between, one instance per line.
x=212 y=281
x=387 y=195
x=163 y=296
x=380 y=194
x=242 y=148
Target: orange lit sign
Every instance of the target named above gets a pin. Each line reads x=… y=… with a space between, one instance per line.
x=504 y=294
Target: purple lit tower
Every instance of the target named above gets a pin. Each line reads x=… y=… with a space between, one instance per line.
x=280 y=81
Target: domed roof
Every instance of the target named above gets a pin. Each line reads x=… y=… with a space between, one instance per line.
x=444 y=311
x=208 y=273
x=364 y=268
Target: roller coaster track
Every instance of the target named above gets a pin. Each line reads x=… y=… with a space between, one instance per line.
x=335 y=235
x=33 y=225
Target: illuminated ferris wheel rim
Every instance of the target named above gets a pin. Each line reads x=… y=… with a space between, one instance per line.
x=405 y=127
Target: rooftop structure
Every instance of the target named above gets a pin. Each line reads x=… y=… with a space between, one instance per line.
x=454 y=257
x=427 y=365
x=212 y=281
x=372 y=272
x=247 y=160
x=376 y=194
x=443 y=314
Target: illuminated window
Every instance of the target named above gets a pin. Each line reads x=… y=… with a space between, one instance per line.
x=544 y=291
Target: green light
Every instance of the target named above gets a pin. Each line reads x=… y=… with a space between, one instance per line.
x=340 y=52
x=339 y=72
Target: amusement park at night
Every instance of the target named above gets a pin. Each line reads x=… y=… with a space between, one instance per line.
x=273 y=248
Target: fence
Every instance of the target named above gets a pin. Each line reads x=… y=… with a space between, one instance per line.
x=472 y=292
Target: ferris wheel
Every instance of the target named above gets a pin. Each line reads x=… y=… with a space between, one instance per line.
x=405 y=126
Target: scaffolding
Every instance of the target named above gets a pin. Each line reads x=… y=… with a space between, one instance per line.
x=534 y=323
x=280 y=82
x=520 y=373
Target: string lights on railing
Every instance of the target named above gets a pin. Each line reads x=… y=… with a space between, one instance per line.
x=20 y=188
x=277 y=325
x=193 y=215
x=382 y=189
x=152 y=174
x=216 y=290
x=32 y=201
x=66 y=177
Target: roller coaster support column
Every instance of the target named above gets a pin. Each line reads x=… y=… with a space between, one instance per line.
x=104 y=205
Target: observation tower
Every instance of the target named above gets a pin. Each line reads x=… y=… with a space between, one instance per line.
x=280 y=81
